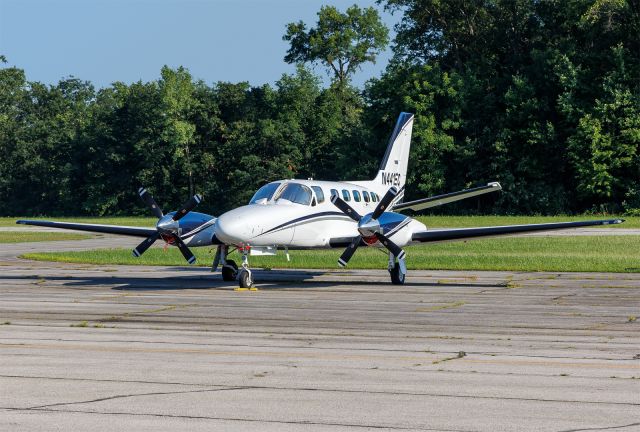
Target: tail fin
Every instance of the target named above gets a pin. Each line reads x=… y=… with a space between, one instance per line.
x=393 y=168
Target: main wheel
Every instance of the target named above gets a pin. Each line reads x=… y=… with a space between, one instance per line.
x=244 y=279
x=229 y=271
x=397 y=277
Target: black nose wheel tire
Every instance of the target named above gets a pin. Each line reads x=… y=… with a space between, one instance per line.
x=244 y=279
x=397 y=277
x=229 y=271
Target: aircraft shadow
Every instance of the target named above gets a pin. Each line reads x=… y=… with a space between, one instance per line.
x=265 y=279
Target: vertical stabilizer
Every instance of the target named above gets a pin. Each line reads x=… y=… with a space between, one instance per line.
x=393 y=168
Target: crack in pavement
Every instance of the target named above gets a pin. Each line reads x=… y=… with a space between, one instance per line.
x=222 y=387
x=601 y=428
x=131 y=396
x=306 y=347
x=193 y=417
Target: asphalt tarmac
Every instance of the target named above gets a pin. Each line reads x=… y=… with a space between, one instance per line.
x=105 y=348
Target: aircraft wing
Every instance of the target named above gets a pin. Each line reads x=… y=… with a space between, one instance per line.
x=441 y=235
x=439 y=200
x=107 y=229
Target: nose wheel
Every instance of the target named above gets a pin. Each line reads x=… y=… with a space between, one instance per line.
x=245 y=278
x=397 y=270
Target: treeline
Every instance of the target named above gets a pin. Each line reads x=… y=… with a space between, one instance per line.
x=543 y=96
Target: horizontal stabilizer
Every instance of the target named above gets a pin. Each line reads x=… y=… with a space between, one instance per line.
x=439 y=235
x=439 y=200
x=107 y=229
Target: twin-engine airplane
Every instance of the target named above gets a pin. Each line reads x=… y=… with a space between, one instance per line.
x=311 y=214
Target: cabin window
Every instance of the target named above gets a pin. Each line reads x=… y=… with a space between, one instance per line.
x=356 y=196
x=346 y=195
x=365 y=196
x=374 y=197
x=265 y=192
x=319 y=193
x=334 y=192
x=296 y=193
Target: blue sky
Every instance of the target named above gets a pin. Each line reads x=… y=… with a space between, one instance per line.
x=127 y=40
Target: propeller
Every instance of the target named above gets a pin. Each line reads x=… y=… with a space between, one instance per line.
x=167 y=226
x=368 y=227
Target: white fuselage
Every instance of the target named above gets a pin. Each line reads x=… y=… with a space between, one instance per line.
x=306 y=220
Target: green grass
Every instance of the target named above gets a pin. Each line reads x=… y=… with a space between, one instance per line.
x=430 y=221
x=38 y=236
x=571 y=254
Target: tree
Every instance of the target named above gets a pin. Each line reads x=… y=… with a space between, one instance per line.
x=340 y=41
x=433 y=95
x=605 y=150
x=176 y=91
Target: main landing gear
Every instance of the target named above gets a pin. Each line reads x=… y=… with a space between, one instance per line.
x=397 y=269
x=230 y=270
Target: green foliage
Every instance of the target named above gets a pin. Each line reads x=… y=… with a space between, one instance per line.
x=340 y=41
x=548 y=97
x=604 y=148
x=542 y=96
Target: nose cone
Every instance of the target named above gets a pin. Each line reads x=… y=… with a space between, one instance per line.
x=167 y=224
x=232 y=227
x=368 y=226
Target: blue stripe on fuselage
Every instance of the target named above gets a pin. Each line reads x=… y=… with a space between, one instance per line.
x=303 y=218
x=388 y=221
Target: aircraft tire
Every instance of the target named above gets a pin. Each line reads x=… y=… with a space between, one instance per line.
x=244 y=279
x=229 y=271
x=397 y=277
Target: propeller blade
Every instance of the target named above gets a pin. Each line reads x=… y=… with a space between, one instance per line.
x=186 y=253
x=142 y=247
x=384 y=202
x=349 y=251
x=346 y=208
x=150 y=202
x=393 y=248
x=187 y=207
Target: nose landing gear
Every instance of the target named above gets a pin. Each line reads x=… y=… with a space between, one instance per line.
x=245 y=278
x=397 y=269
x=230 y=268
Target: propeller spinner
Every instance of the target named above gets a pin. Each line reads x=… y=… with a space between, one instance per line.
x=167 y=226
x=368 y=227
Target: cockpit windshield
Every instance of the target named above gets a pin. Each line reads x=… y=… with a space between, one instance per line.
x=296 y=193
x=265 y=192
